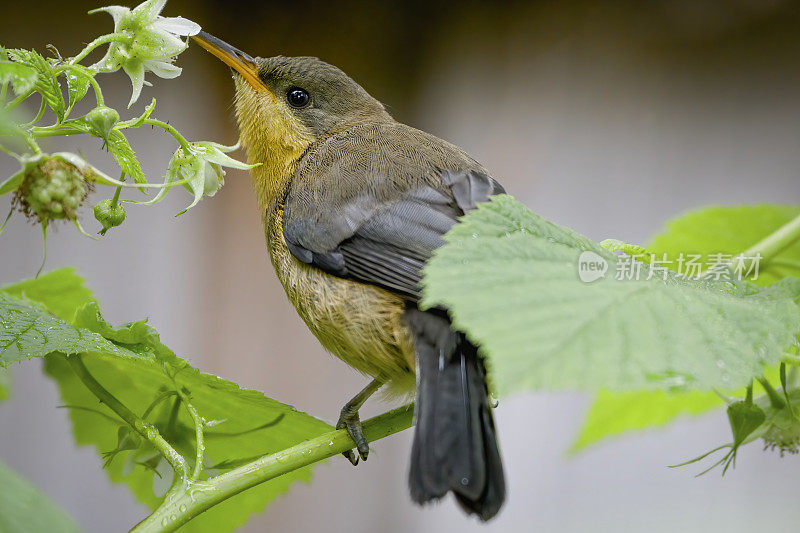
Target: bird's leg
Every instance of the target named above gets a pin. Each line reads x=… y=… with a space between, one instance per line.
x=348 y=419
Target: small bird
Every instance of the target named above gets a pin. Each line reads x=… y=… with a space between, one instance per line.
x=354 y=204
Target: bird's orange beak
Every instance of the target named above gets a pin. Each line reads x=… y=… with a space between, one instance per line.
x=241 y=62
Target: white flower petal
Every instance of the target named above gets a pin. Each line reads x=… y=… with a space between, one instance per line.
x=153 y=43
x=214 y=179
x=135 y=71
x=162 y=69
x=146 y=12
x=176 y=25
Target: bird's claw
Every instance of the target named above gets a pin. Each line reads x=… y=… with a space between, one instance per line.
x=349 y=420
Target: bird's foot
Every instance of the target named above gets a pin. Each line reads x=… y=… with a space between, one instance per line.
x=349 y=420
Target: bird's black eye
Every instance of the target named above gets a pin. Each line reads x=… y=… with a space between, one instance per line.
x=297 y=97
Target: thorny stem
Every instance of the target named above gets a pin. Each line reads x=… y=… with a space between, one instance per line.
x=103 y=39
x=144 y=429
x=172 y=131
x=183 y=503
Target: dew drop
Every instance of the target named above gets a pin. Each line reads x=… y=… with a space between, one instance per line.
x=464 y=481
x=720 y=363
x=182 y=508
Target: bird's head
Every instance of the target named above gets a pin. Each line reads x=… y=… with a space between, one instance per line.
x=286 y=104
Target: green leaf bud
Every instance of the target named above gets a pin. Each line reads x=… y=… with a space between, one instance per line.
x=109 y=215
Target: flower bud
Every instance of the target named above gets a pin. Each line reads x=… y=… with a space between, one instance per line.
x=101 y=120
x=109 y=215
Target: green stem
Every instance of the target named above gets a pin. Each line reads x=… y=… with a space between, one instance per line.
x=31 y=142
x=38 y=117
x=36 y=132
x=200 y=444
x=18 y=100
x=777 y=241
x=115 y=199
x=172 y=131
x=103 y=39
x=98 y=94
x=183 y=504
x=144 y=429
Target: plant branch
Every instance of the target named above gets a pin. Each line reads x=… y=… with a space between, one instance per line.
x=172 y=131
x=200 y=440
x=110 y=38
x=775 y=242
x=144 y=429
x=180 y=506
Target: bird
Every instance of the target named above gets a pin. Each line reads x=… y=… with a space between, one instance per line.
x=354 y=204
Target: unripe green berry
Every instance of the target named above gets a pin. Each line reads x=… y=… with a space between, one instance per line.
x=53 y=189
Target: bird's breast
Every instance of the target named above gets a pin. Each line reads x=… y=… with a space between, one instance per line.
x=360 y=324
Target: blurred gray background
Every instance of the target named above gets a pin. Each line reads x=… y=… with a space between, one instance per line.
x=608 y=117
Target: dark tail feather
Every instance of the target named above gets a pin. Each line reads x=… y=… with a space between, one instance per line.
x=455 y=446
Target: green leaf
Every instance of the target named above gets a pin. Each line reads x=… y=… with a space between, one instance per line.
x=726 y=230
x=28 y=329
x=126 y=158
x=5 y=383
x=510 y=280
x=242 y=423
x=46 y=83
x=25 y=508
x=731 y=231
x=613 y=413
x=78 y=80
x=21 y=77
x=138 y=121
x=62 y=291
x=133 y=333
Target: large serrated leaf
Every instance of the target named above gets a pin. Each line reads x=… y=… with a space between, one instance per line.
x=29 y=330
x=119 y=147
x=46 y=82
x=714 y=230
x=148 y=378
x=246 y=424
x=25 y=509
x=62 y=291
x=510 y=280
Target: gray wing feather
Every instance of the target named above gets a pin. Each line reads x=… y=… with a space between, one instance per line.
x=378 y=230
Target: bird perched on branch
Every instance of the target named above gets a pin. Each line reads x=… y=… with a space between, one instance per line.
x=354 y=203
